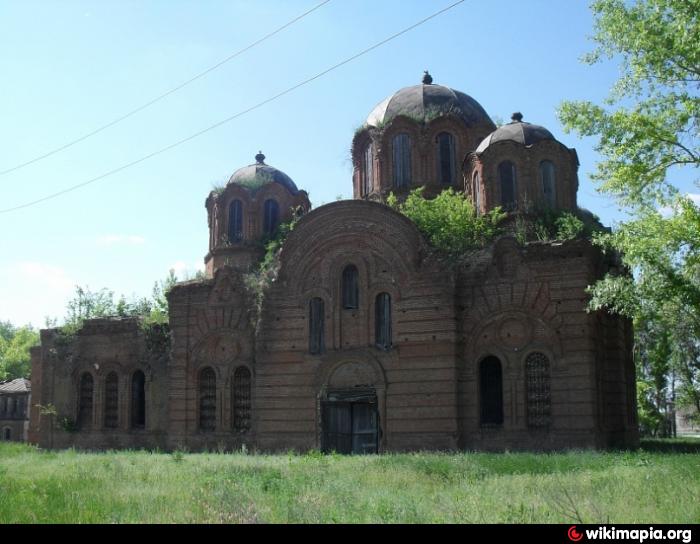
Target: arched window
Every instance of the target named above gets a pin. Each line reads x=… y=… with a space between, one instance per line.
x=539 y=400
x=401 y=145
x=235 y=221
x=367 y=170
x=446 y=158
x=112 y=401
x=351 y=290
x=491 y=391
x=7 y=434
x=382 y=321
x=241 y=399
x=272 y=217
x=11 y=406
x=85 y=400
x=548 y=183
x=207 y=400
x=506 y=175
x=316 y=326
x=476 y=191
x=138 y=400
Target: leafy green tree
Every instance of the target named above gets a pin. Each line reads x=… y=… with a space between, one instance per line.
x=648 y=135
x=15 y=361
x=449 y=221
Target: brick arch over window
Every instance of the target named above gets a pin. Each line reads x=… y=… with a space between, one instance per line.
x=111 y=401
x=138 y=400
x=207 y=399
x=538 y=387
x=490 y=391
x=241 y=399
x=86 y=391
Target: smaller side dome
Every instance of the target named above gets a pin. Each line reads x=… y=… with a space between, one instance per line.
x=257 y=175
x=517 y=131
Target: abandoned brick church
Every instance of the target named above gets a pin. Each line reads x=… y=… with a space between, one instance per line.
x=366 y=341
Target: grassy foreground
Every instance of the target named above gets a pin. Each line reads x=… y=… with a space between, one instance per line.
x=657 y=484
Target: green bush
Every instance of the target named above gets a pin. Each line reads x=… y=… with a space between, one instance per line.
x=449 y=221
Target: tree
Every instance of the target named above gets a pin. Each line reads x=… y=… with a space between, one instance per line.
x=15 y=361
x=648 y=136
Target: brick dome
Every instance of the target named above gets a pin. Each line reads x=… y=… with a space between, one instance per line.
x=428 y=101
x=517 y=131
x=257 y=175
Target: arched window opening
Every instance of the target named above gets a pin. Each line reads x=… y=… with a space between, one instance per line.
x=351 y=289
x=85 y=397
x=12 y=406
x=548 y=183
x=491 y=391
x=401 y=145
x=382 y=320
x=112 y=401
x=539 y=400
x=272 y=217
x=316 y=326
x=476 y=191
x=207 y=400
x=7 y=433
x=235 y=221
x=506 y=175
x=241 y=399
x=367 y=171
x=138 y=400
x=446 y=154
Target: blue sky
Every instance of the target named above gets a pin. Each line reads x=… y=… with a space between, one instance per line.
x=68 y=67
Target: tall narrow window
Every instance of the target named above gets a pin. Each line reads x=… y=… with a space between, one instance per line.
x=138 y=400
x=382 y=320
x=446 y=158
x=272 y=217
x=491 y=390
x=548 y=183
x=476 y=191
x=539 y=401
x=3 y=405
x=367 y=171
x=235 y=221
x=402 y=160
x=506 y=175
x=7 y=433
x=241 y=399
x=112 y=401
x=207 y=400
x=85 y=400
x=351 y=290
x=316 y=326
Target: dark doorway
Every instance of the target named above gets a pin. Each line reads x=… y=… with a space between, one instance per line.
x=350 y=423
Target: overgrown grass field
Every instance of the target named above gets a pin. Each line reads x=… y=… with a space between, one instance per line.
x=659 y=483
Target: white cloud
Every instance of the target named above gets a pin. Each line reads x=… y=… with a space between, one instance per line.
x=113 y=239
x=667 y=211
x=31 y=290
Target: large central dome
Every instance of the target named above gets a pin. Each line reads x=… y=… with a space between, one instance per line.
x=426 y=102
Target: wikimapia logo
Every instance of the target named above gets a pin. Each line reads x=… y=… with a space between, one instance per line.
x=636 y=535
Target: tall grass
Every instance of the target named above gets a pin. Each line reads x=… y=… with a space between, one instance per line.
x=136 y=486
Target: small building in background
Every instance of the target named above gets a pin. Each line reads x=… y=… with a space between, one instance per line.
x=15 y=398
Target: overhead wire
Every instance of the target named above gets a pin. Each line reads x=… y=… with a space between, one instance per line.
x=236 y=115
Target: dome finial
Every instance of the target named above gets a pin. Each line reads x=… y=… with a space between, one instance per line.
x=427 y=78
x=260 y=158
x=517 y=117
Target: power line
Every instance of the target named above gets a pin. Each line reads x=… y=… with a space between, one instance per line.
x=235 y=116
x=164 y=95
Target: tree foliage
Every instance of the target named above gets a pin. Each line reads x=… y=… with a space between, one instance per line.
x=14 y=350
x=648 y=136
x=449 y=221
